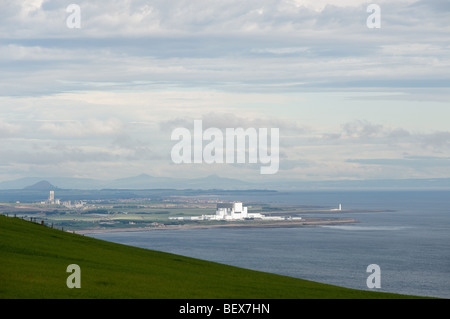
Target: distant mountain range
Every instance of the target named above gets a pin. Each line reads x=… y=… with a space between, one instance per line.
x=41 y=186
x=142 y=181
x=145 y=181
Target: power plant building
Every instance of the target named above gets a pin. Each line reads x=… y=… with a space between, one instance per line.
x=233 y=211
x=51 y=199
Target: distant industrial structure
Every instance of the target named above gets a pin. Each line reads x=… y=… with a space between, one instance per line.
x=68 y=204
x=51 y=199
x=337 y=209
x=234 y=211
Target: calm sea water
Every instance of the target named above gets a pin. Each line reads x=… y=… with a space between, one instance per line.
x=409 y=238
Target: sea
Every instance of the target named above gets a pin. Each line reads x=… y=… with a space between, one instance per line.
x=405 y=233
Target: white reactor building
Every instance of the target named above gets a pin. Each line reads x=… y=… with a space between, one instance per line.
x=234 y=211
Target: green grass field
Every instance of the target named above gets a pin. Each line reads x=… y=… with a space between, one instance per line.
x=34 y=259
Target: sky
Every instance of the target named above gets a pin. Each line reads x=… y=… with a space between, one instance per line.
x=101 y=100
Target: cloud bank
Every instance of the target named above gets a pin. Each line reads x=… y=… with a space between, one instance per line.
x=101 y=100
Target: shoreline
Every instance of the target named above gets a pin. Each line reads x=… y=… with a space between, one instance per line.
x=281 y=224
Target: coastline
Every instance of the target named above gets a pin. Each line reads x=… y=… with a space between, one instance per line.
x=282 y=224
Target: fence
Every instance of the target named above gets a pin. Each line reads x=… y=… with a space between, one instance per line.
x=41 y=222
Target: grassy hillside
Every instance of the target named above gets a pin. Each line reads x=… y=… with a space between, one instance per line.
x=34 y=258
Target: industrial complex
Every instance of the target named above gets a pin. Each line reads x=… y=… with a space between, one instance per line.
x=234 y=211
x=68 y=204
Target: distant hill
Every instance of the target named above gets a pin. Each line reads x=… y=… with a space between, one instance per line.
x=144 y=181
x=41 y=186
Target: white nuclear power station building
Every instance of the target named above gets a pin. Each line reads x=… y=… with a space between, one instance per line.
x=233 y=211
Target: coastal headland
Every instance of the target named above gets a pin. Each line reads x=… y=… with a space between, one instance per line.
x=306 y=222
x=131 y=210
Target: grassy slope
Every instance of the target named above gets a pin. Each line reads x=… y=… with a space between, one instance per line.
x=34 y=258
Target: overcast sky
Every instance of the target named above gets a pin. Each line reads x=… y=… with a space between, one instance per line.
x=101 y=101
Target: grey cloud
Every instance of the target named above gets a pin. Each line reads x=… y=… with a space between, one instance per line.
x=8 y=129
x=439 y=6
x=238 y=46
x=90 y=127
x=137 y=149
x=233 y=45
x=412 y=162
x=398 y=133
x=331 y=136
x=230 y=120
x=224 y=120
x=361 y=129
x=286 y=164
x=47 y=157
x=439 y=141
x=59 y=155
